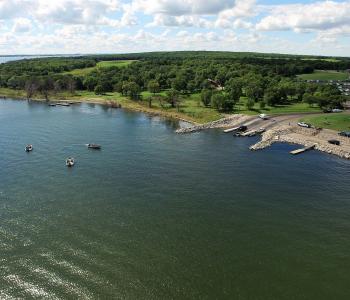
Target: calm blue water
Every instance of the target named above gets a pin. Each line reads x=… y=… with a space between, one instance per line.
x=4 y=59
x=156 y=215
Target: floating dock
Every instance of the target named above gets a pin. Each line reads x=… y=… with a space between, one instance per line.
x=231 y=129
x=302 y=150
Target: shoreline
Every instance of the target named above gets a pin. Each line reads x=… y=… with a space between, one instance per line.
x=282 y=128
x=278 y=128
x=139 y=108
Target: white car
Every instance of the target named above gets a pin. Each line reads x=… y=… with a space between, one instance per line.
x=337 y=110
x=263 y=116
x=303 y=124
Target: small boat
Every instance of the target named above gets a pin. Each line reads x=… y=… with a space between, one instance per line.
x=28 y=148
x=70 y=162
x=94 y=146
x=63 y=104
x=52 y=104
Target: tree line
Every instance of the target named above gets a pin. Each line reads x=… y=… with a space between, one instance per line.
x=262 y=78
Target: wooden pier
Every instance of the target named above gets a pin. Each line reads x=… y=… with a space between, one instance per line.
x=302 y=150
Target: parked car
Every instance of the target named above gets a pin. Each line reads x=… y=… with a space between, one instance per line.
x=334 y=142
x=337 y=110
x=327 y=110
x=345 y=133
x=263 y=116
x=305 y=125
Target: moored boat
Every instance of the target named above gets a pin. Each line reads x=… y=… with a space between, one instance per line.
x=94 y=146
x=70 y=162
x=28 y=148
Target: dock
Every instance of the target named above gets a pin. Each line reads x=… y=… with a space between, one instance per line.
x=253 y=132
x=62 y=104
x=231 y=129
x=302 y=150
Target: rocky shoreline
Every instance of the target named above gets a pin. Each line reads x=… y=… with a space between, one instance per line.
x=281 y=129
x=306 y=137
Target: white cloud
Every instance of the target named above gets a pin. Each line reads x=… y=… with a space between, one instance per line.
x=307 y=17
x=89 y=12
x=183 y=7
x=22 y=25
x=68 y=26
x=179 y=21
x=12 y=8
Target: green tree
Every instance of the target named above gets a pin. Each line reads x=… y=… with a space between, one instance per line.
x=99 y=90
x=90 y=83
x=254 y=91
x=222 y=102
x=234 y=89
x=206 y=97
x=250 y=103
x=153 y=86
x=132 y=89
x=173 y=97
x=31 y=86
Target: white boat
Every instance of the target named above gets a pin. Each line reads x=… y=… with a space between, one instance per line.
x=28 y=148
x=70 y=162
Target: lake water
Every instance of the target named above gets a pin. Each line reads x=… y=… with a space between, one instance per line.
x=4 y=59
x=156 y=215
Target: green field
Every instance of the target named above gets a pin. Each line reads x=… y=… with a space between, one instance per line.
x=297 y=107
x=322 y=59
x=325 y=75
x=99 y=65
x=335 y=121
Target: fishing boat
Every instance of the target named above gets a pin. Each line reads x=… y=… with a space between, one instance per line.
x=94 y=146
x=70 y=162
x=28 y=148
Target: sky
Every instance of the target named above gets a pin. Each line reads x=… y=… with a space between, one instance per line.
x=124 y=26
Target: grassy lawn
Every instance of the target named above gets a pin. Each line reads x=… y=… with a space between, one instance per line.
x=278 y=109
x=190 y=108
x=325 y=75
x=335 y=121
x=322 y=59
x=114 y=63
x=101 y=64
x=12 y=93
